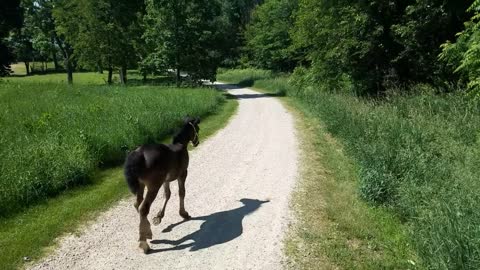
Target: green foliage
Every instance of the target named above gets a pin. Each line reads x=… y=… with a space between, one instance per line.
x=268 y=42
x=58 y=143
x=103 y=33
x=236 y=14
x=10 y=18
x=344 y=45
x=376 y=44
x=425 y=25
x=39 y=28
x=464 y=53
x=184 y=35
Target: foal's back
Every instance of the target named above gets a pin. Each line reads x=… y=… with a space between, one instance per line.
x=169 y=159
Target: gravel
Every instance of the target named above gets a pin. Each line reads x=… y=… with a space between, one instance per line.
x=238 y=191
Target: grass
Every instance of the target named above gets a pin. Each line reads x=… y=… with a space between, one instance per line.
x=335 y=228
x=29 y=233
x=84 y=78
x=19 y=69
x=417 y=156
x=56 y=144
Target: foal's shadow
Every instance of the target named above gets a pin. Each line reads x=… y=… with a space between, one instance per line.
x=217 y=228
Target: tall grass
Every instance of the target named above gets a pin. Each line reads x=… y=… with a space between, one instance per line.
x=53 y=137
x=418 y=155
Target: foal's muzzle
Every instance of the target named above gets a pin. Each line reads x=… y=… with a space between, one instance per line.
x=195 y=143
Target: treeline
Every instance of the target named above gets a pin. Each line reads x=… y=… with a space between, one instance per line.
x=367 y=46
x=154 y=36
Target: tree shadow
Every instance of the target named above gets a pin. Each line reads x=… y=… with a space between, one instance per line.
x=217 y=228
x=245 y=96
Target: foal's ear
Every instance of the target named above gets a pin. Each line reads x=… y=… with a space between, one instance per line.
x=187 y=119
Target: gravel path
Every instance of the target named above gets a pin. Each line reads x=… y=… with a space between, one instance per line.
x=238 y=188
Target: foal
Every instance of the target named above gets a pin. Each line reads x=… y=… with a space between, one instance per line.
x=156 y=164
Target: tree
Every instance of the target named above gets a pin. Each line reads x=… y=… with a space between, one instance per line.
x=339 y=43
x=185 y=36
x=102 y=33
x=268 y=41
x=464 y=54
x=424 y=26
x=10 y=18
x=39 y=25
x=236 y=14
x=374 y=43
x=22 y=47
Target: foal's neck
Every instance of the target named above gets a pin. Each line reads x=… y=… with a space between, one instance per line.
x=178 y=140
x=182 y=138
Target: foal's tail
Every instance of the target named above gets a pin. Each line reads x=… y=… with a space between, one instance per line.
x=133 y=168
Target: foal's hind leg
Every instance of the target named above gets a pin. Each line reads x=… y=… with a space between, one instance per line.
x=161 y=214
x=140 y=191
x=181 y=193
x=145 y=228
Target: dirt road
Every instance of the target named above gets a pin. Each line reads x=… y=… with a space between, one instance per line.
x=238 y=189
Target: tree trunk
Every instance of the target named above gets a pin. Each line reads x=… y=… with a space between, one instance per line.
x=123 y=75
x=178 y=79
x=67 y=52
x=55 y=61
x=144 y=77
x=27 y=67
x=99 y=68
x=110 y=75
x=69 y=71
x=54 y=54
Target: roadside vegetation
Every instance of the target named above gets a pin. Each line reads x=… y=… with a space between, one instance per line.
x=415 y=155
x=335 y=228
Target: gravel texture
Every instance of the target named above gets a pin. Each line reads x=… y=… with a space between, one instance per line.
x=238 y=191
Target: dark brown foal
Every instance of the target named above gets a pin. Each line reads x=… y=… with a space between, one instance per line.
x=152 y=166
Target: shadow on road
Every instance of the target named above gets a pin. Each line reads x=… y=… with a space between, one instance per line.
x=217 y=228
x=232 y=95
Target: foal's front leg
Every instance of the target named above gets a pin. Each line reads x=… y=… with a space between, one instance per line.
x=161 y=214
x=181 y=193
x=145 y=228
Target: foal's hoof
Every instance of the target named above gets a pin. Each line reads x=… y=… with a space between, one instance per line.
x=144 y=246
x=157 y=221
x=185 y=215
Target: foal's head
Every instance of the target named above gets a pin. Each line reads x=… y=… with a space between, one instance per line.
x=189 y=132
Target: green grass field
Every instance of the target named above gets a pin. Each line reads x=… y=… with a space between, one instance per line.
x=55 y=139
x=416 y=155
